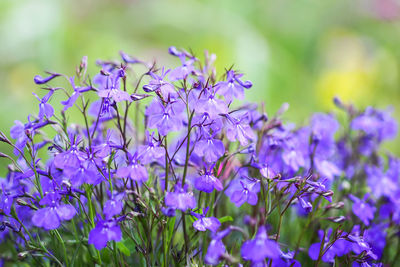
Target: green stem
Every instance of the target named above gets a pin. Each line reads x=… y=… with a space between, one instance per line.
x=187 y=148
x=63 y=246
x=185 y=236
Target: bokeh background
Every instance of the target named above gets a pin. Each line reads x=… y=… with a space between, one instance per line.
x=302 y=52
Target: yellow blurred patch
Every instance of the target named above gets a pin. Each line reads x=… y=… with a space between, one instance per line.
x=348 y=69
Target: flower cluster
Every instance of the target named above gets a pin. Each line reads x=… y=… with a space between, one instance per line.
x=171 y=167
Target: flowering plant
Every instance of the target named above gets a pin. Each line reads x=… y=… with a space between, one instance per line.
x=170 y=167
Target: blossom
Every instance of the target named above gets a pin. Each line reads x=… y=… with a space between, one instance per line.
x=204 y=223
x=216 y=248
x=239 y=130
x=150 y=152
x=233 y=87
x=75 y=94
x=362 y=209
x=50 y=217
x=105 y=230
x=259 y=248
x=158 y=84
x=134 y=170
x=113 y=206
x=244 y=190
x=108 y=83
x=180 y=199
x=45 y=109
x=207 y=182
x=165 y=118
x=211 y=148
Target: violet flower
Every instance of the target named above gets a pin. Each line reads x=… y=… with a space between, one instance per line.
x=180 y=199
x=259 y=248
x=51 y=216
x=207 y=182
x=204 y=223
x=244 y=190
x=209 y=148
x=216 y=248
x=233 y=87
x=113 y=206
x=362 y=209
x=134 y=170
x=239 y=130
x=105 y=230
x=45 y=109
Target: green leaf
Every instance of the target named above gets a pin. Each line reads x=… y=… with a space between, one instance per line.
x=121 y=246
x=226 y=219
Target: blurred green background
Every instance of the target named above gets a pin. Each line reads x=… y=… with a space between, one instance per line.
x=302 y=52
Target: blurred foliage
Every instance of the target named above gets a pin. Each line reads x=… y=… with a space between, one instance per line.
x=302 y=52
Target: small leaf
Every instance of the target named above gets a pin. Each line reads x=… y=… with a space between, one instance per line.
x=121 y=246
x=226 y=219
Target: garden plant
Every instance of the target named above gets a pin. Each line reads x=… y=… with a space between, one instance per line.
x=172 y=167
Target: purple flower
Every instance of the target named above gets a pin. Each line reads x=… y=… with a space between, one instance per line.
x=108 y=83
x=259 y=248
x=6 y=201
x=165 y=118
x=212 y=149
x=77 y=92
x=211 y=105
x=233 y=87
x=216 y=248
x=150 y=152
x=105 y=230
x=45 y=109
x=159 y=85
x=244 y=190
x=204 y=223
x=70 y=158
x=306 y=205
x=239 y=130
x=51 y=216
x=18 y=132
x=184 y=70
x=376 y=123
x=180 y=199
x=134 y=170
x=113 y=206
x=362 y=209
x=85 y=172
x=207 y=182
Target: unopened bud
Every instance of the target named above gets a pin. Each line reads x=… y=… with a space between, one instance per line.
x=337 y=219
